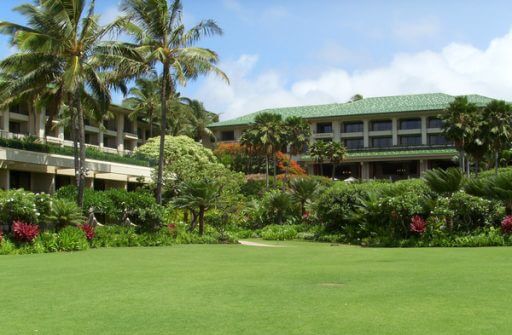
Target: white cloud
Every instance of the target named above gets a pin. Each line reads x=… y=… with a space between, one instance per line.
x=418 y=29
x=456 y=69
x=109 y=14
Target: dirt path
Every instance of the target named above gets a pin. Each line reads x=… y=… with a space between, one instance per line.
x=256 y=244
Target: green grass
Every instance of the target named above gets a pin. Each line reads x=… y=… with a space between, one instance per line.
x=302 y=288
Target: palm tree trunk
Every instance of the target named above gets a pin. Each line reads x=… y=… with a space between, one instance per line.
x=266 y=171
x=274 y=160
x=496 y=162
x=151 y=125
x=163 y=125
x=201 y=221
x=333 y=170
x=74 y=138
x=81 y=138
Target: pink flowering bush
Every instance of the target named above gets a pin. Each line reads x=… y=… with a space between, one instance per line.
x=506 y=225
x=24 y=232
x=418 y=225
x=88 y=231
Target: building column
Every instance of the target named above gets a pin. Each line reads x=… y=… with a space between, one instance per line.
x=41 y=123
x=336 y=131
x=394 y=129
x=365 y=170
x=5 y=119
x=4 y=179
x=61 y=135
x=120 y=133
x=101 y=140
x=366 y=137
x=423 y=166
x=424 y=139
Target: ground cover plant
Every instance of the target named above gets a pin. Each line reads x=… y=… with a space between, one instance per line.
x=298 y=288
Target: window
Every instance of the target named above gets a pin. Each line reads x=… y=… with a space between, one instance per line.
x=352 y=127
x=19 y=179
x=110 y=142
x=381 y=125
x=435 y=122
x=19 y=109
x=15 y=127
x=324 y=127
x=410 y=140
x=410 y=124
x=228 y=135
x=437 y=139
x=127 y=125
x=382 y=142
x=354 y=143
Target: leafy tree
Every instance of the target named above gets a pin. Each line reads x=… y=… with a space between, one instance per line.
x=304 y=190
x=335 y=152
x=457 y=119
x=186 y=160
x=59 y=49
x=160 y=37
x=356 y=97
x=497 y=127
x=318 y=151
x=198 y=196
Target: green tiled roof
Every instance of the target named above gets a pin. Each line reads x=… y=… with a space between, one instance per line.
x=394 y=153
x=366 y=106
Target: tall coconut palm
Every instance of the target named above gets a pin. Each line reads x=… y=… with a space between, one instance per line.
x=497 y=118
x=159 y=35
x=297 y=135
x=144 y=100
x=455 y=127
x=270 y=133
x=200 y=120
x=62 y=37
x=335 y=153
x=318 y=152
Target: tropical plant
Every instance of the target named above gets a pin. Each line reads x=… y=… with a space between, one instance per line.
x=24 y=232
x=144 y=100
x=318 y=152
x=457 y=119
x=198 y=197
x=444 y=182
x=200 y=119
x=297 y=135
x=335 y=153
x=65 y=213
x=267 y=132
x=59 y=54
x=160 y=37
x=304 y=190
x=497 y=116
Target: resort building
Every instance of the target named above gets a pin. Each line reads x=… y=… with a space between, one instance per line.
x=393 y=137
x=41 y=161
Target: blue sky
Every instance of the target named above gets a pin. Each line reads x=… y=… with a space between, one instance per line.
x=280 y=53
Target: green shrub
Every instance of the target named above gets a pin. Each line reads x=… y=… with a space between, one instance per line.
x=71 y=239
x=50 y=241
x=279 y=232
x=276 y=207
x=471 y=213
x=18 y=205
x=115 y=236
x=65 y=213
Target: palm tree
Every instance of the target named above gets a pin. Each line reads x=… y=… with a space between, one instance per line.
x=160 y=36
x=269 y=131
x=251 y=143
x=335 y=153
x=63 y=38
x=200 y=119
x=197 y=197
x=144 y=100
x=298 y=133
x=497 y=116
x=318 y=151
x=456 y=119
x=304 y=190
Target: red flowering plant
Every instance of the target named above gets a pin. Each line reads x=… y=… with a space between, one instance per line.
x=88 y=231
x=1 y=236
x=506 y=225
x=24 y=232
x=173 y=229
x=418 y=225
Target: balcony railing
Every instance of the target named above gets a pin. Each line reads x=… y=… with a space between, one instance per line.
x=403 y=148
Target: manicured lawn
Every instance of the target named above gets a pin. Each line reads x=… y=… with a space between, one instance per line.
x=302 y=288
